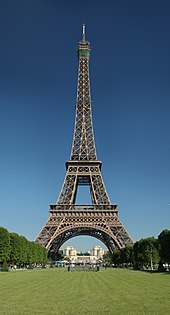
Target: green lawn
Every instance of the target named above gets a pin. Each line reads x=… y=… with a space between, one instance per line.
x=58 y=292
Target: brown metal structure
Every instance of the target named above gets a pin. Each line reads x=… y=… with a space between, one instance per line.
x=68 y=219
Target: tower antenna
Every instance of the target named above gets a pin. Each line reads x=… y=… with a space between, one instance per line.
x=84 y=33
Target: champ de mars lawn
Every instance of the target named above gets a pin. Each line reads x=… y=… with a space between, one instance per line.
x=59 y=292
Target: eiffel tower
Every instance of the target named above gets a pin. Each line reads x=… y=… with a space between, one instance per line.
x=100 y=218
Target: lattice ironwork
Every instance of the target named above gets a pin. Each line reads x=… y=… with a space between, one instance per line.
x=100 y=218
x=83 y=148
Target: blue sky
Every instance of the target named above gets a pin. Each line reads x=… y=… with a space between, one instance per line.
x=130 y=87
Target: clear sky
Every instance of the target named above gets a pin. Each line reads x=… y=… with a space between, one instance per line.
x=130 y=87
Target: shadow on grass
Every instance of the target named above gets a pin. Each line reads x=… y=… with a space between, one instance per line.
x=156 y=272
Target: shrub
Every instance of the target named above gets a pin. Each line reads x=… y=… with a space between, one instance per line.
x=4 y=266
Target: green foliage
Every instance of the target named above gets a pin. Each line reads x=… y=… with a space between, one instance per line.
x=4 y=266
x=116 y=257
x=126 y=254
x=161 y=267
x=24 y=250
x=107 y=258
x=36 y=253
x=85 y=254
x=146 y=252
x=4 y=244
x=17 y=250
x=122 y=256
x=60 y=255
x=164 y=241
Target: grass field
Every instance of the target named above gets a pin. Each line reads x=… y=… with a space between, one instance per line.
x=108 y=292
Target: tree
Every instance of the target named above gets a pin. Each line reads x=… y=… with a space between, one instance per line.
x=4 y=244
x=164 y=241
x=67 y=258
x=16 y=248
x=60 y=255
x=116 y=257
x=32 y=254
x=126 y=254
x=4 y=266
x=41 y=253
x=25 y=249
x=138 y=254
x=146 y=252
x=151 y=251
x=36 y=253
x=107 y=258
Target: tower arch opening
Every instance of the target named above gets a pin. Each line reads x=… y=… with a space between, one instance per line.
x=71 y=232
x=84 y=243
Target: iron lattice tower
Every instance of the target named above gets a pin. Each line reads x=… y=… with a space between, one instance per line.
x=68 y=219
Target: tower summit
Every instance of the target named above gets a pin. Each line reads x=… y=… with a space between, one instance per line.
x=84 y=33
x=100 y=218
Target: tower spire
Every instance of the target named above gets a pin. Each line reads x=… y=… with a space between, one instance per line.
x=84 y=33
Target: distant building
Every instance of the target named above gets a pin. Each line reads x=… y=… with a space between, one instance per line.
x=98 y=252
x=69 y=251
x=95 y=254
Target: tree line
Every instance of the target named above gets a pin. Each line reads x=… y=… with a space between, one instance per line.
x=17 y=250
x=151 y=253
x=148 y=253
